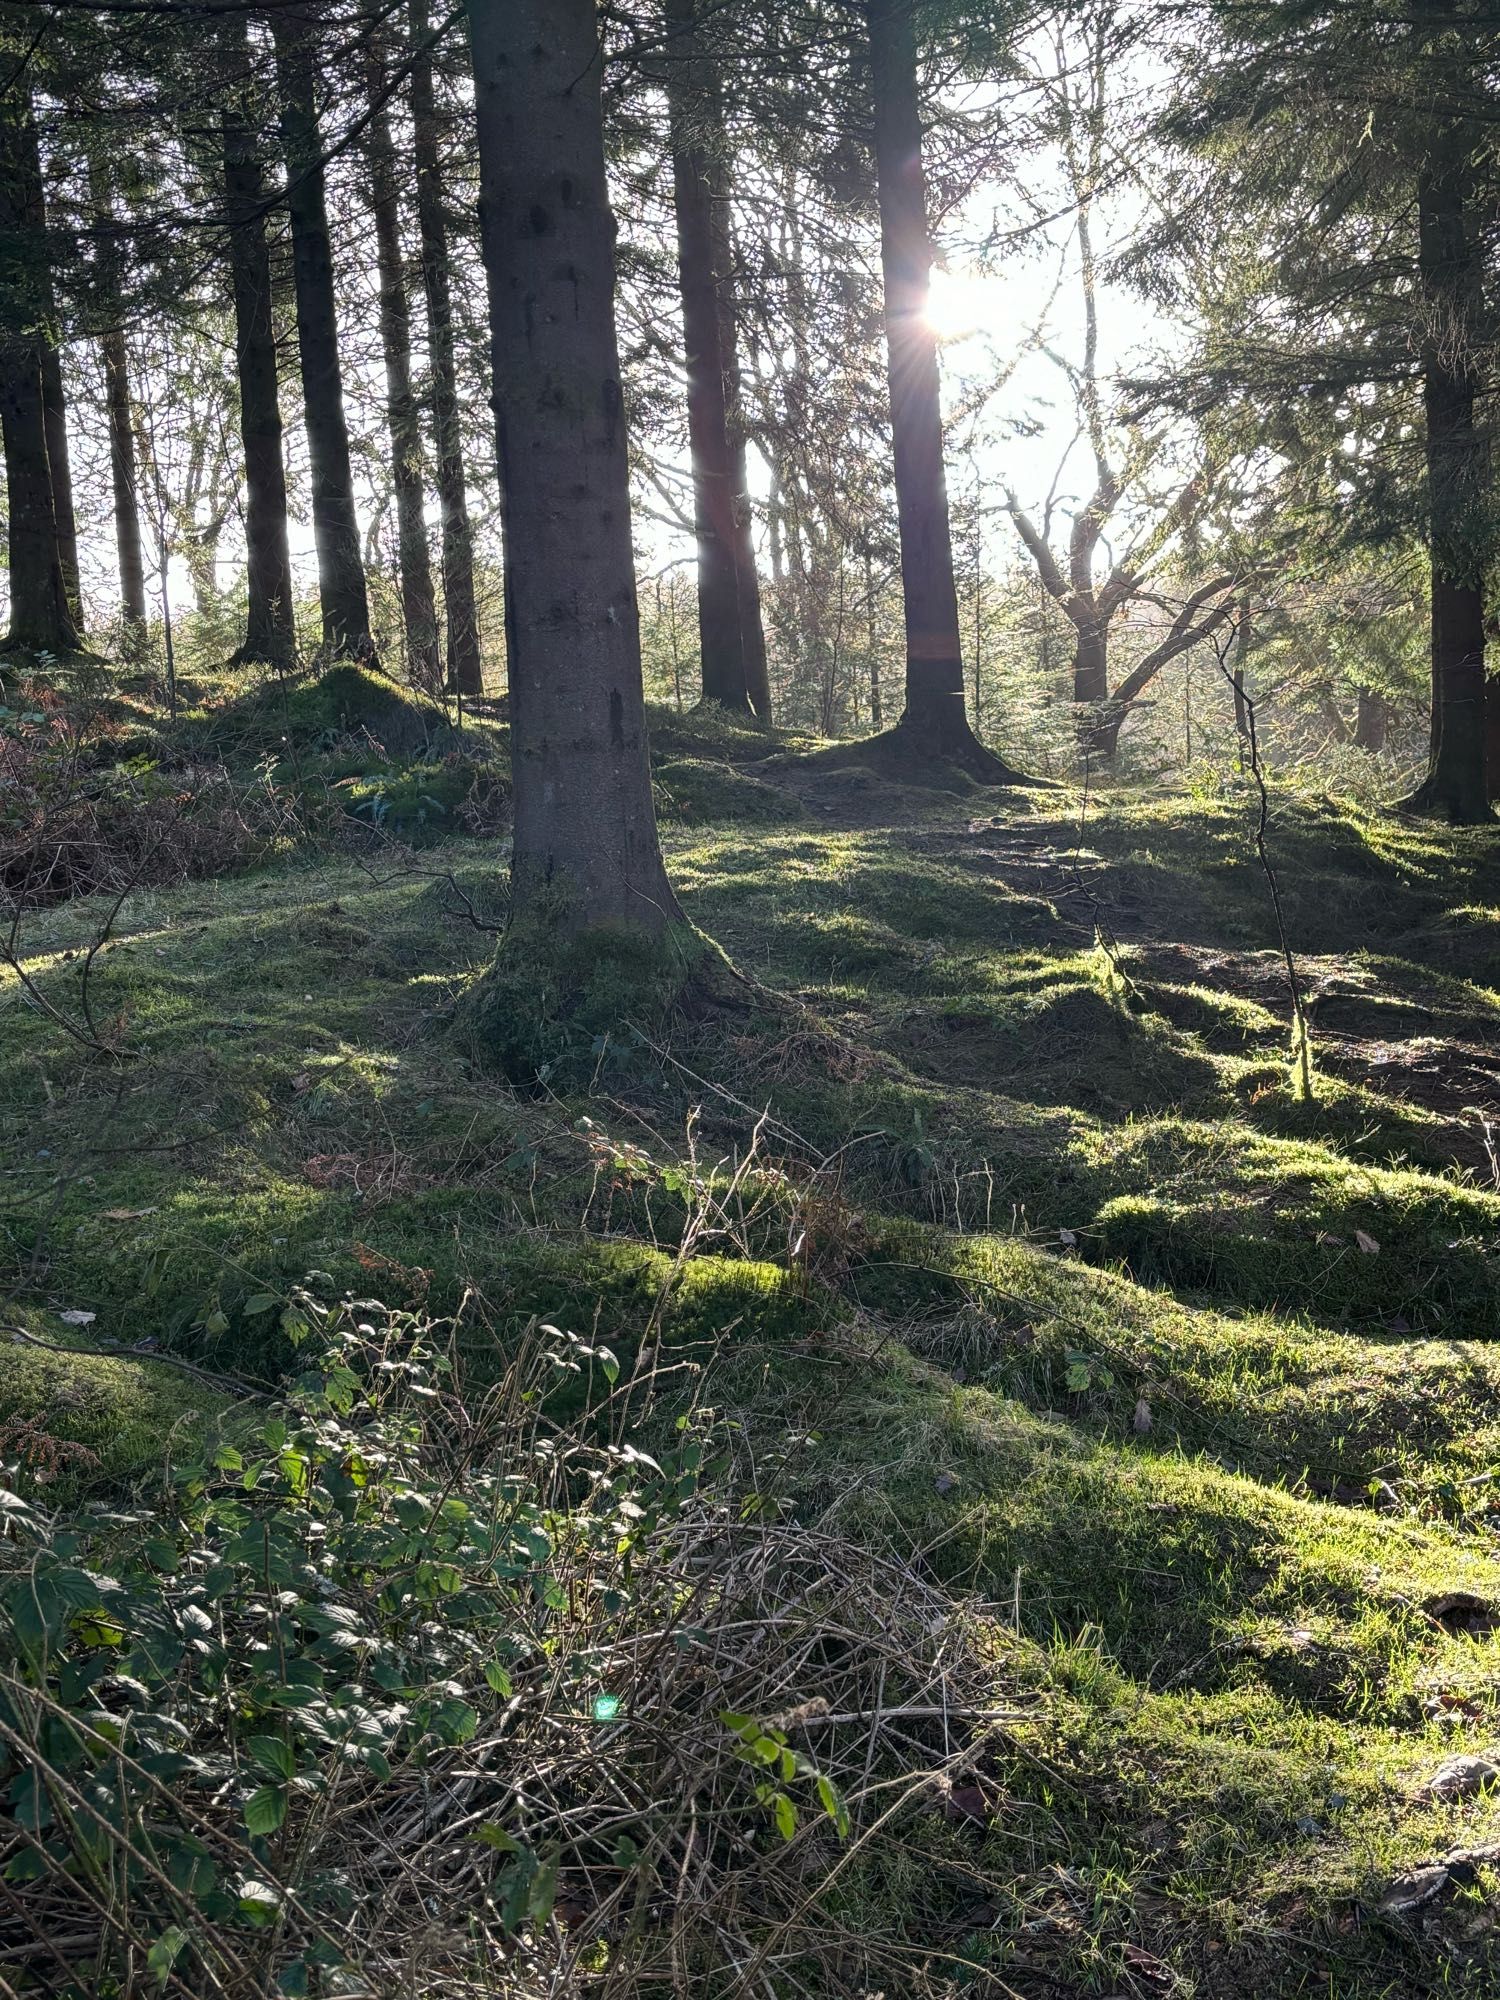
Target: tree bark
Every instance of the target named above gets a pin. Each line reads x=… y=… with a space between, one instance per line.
x=54 y=397
x=935 y=723
x=118 y=410
x=1449 y=269
x=1369 y=721
x=731 y=639
x=341 y=573
x=1198 y=619
x=1091 y=665
x=586 y=856
x=270 y=624
x=418 y=613
x=465 y=666
x=123 y=478
x=43 y=609
x=55 y=415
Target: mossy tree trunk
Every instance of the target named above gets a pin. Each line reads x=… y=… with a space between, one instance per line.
x=341 y=570
x=731 y=638
x=464 y=664
x=418 y=612
x=935 y=723
x=586 y=855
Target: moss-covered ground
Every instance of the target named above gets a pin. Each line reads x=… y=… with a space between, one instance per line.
x=1046 y=1276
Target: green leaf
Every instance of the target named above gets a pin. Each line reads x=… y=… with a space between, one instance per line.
x=164 y=1954
x=833 y=1805
x=261 y=1302
x=498 y=1838
x=258 y=1902
x=786 y=1815
x=543 y=1893
x=273 y=1756
x=497 y=1677
x=266 y=1809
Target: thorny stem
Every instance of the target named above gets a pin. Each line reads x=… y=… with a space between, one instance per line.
x=1301 y=1035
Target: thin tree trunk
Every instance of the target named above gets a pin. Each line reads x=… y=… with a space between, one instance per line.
x=465 y=667
x=586 y=856
x=126 y=488
x=731 y=641
x=119 y=413
x=935 y=723
x=1242 y=645
x=270 y=625
x=1457 y=474
x=55 y=409
x=877 y=709
x=341 y=572
x=418 y=613
x=43 y=614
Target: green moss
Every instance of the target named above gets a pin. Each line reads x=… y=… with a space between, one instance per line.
x=697 y=792
x=996 y=1214
x=347 y=698
x=82 y=1422
x=560 y=1005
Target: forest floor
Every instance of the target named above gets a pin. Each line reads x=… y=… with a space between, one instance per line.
x=1188 y=1390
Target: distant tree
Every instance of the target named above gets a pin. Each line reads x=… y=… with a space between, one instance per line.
x=732 y=640
x=464 y=663
x=418 y=612
x=935 y=723
x=1353 y=145
x=1125 y=457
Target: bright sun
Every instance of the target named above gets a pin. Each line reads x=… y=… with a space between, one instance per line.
x=956 y=303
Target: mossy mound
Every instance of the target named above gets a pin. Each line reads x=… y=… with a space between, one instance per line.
x=560 y=1007
x=696 y=792
x=77 y=1423
x=349 y=698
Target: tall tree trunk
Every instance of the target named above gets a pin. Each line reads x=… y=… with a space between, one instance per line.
x=935 y=723
x=465 y=667
x=41 y=614
x=341 y=572
x=731 y=638
x=1457 y=477
x=43 y=609
x=418 y=614
x=118 y=410
x=54 y=397
x=126 y=488
x=270 y=624
x=586 y=857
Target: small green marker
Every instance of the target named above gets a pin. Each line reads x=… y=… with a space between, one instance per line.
x=606 y=1707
